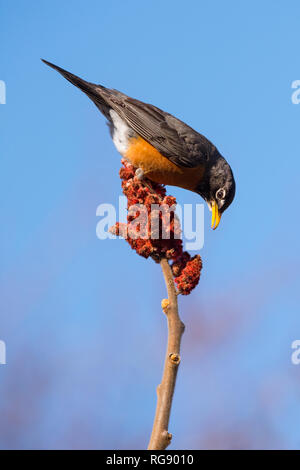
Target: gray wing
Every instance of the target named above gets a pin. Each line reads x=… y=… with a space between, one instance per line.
x=173 y=138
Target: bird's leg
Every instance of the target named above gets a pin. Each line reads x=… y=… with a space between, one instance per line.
x=140 y=175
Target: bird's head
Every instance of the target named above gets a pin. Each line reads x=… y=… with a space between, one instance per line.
x=218 y=188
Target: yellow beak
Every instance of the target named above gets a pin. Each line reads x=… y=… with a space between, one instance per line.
x=216 y=216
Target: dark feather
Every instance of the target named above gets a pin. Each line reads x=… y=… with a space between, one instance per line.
x=173 y=138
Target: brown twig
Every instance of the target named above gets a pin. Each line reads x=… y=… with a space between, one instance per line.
x=160 y=437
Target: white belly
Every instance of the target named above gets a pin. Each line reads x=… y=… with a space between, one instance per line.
x=121 y=133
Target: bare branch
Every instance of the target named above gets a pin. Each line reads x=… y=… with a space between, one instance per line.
x=160 y=437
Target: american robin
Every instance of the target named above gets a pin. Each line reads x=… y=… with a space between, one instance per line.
x=161 y=147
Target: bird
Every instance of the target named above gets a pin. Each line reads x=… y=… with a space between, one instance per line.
x=161 y=147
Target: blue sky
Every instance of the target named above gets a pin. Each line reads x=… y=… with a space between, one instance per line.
x=81 y=317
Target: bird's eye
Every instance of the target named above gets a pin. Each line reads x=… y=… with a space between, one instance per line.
x=220 y=194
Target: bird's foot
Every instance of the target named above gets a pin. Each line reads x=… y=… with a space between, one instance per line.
x=140 y=175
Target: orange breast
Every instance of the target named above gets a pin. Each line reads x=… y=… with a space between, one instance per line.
x=158 y=168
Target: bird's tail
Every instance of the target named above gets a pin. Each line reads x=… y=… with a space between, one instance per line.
x=94 y=92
